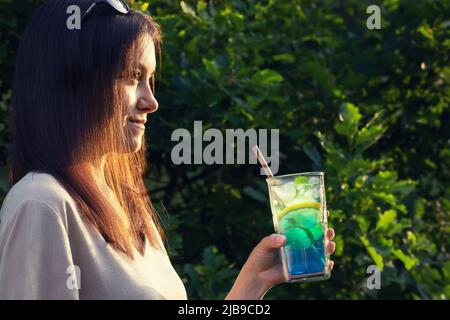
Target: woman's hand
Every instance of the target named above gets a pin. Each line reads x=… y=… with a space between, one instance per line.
x=263 y=268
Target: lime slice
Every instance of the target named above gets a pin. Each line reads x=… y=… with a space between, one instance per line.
x=298 y=206
x=301 y=225
x=301 y=238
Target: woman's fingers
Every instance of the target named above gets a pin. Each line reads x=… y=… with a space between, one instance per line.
x=330 y=234
x=331 y=246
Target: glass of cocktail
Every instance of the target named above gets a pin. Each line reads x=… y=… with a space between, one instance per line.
x=299 y=213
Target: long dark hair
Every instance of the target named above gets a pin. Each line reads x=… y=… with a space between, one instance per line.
x=67 y=110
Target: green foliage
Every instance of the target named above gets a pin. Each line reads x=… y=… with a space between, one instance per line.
x=370 y=108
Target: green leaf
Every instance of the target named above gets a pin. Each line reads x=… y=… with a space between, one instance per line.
x=266 y=77
x=408 y=261
x=386 y=219
x=284 y=57
x=398 y=227
x=384 y=180
x=349 y=116
x=212 y=68
x=368 y=136
x=349 y=113
x=363 y=223
x=423 y=243
x=377 y=258
x=339 y=240
x=403 y=187
x=201 y=6
x=188 y=10
x=385 y=197
x=426 y=32
x=411 y=237
x=144 y=6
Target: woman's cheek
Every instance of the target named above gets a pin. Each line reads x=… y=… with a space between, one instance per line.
x=130 y=100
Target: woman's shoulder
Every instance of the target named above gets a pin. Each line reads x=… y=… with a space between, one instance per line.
x=39 y=188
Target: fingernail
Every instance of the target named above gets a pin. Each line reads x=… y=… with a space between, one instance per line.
x=279 y=238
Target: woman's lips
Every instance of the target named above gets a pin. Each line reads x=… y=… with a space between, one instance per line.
x=138 y=125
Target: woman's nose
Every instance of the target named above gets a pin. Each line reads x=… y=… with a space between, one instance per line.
x=148 y=103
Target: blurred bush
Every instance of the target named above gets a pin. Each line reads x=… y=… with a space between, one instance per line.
x=370 y=108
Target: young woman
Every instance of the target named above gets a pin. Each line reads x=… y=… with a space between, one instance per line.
x=78 y=222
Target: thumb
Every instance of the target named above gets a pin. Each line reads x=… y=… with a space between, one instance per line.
x=273 y=241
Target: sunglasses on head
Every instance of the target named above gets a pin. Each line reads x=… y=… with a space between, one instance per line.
x=118 y=5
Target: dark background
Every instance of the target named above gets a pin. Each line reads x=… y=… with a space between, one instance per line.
x=370 y=108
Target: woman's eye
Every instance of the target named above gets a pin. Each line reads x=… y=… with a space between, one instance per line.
x=137 y=75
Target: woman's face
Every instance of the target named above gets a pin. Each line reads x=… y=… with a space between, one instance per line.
x=138 y=98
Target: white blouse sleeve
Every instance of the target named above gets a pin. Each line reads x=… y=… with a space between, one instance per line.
x=35 y=256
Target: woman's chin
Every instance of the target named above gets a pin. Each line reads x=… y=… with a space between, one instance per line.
x=133 y=146
x=136 y=145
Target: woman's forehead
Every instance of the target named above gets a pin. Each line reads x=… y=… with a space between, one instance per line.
x=145 y=53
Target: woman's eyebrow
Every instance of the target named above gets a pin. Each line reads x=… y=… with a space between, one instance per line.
x=142 y=67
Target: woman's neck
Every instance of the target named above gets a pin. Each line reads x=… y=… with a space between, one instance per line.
x=96 y=169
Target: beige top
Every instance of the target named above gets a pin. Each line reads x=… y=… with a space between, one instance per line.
x=48 y=252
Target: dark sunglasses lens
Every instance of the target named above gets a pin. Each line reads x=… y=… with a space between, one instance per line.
x=119 y=5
